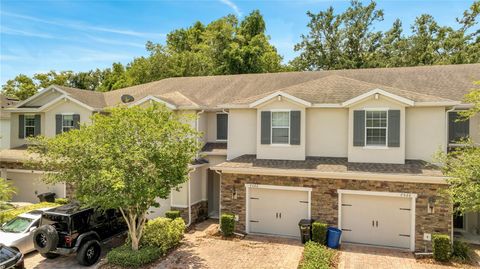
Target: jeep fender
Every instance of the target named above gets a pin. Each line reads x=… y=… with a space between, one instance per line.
x=86 y=236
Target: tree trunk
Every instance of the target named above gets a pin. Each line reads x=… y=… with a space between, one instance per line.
x=135 y=228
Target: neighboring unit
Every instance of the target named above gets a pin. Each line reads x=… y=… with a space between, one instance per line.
x=352 y=148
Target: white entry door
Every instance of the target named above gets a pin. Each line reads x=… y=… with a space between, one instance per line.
x=376 y=220
x=276 y=211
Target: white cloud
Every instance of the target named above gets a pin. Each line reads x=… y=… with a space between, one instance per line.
x=115 y=42
x=11 y=31
x=233 y=6
x=84 y=27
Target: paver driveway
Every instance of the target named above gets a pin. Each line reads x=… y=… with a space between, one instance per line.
x=34 y=260
x=364 y=257
x=201 y=250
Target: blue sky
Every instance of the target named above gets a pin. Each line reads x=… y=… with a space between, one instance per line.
x=79 y=35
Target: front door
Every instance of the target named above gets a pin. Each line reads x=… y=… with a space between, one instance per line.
x=213 y=193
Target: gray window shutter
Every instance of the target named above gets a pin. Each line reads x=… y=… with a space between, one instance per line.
x=394 y=128
x=76 y=121
x=359 y=128
x=295 y=127
x=21 y=126
x=265 y=129
x=222 y=126
x=58 y=124
x=38 y=124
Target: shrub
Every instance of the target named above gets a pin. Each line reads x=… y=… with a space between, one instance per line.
x=62 y=201
x=442 y=248
x=163 y=233
x=227 y=224
x=7 y=215
x=319 y=232
x=124 y=256
x=461 y=250
x=173 y=214
x=317 y=256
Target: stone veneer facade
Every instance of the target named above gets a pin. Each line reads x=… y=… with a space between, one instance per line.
x=199 y=212
x=325 y=200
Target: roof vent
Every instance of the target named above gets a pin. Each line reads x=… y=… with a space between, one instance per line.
x=127 y=98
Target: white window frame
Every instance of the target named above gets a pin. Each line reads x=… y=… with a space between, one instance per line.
x=63 y=126
x=29 y=126
x=216 y=124
x=366 y=128
x=271 y=127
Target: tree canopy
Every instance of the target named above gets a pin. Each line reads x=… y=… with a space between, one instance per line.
x=124 y=160
x=349 y=40
x=224 y=46
x=228 y=46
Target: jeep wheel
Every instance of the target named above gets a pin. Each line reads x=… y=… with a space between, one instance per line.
x=89 y=253
x=45 y=238
x=49 y=255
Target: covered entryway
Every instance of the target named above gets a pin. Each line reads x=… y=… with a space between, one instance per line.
x=213 y=190
x=276 y=210
x=377 y=218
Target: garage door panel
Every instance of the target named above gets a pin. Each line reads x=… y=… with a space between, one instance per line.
x=376 y=220
x=273 y=211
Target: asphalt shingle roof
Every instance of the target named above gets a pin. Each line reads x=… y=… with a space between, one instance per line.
x=422 y=83
x=330 y=164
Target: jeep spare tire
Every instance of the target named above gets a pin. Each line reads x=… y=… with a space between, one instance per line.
x=45 y=239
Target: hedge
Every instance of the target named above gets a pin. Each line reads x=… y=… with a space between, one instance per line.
x=319 y=232
x=227 y=224
x=124 y=256
x=7 y=215
x=317 y=256
x=461 y=250
x=442 y=249
x=173 y=214
x=163 y=233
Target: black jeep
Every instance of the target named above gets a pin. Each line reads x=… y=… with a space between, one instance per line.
x=72 y=228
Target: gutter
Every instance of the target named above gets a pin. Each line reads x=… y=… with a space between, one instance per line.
x=334 y=175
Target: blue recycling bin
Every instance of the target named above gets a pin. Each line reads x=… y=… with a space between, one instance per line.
x=333 y=237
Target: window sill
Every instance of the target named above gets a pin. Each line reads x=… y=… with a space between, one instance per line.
x=376 y=147
x=281 y=145
x=221 y=140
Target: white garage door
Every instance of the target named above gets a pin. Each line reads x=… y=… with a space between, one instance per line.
x=274 y=211
x=376 y=220
x=29 y=185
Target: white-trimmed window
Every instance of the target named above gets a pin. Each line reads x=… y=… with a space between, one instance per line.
x=29 y=125
x=280 y=127
x=67 y=122
x=376 y=126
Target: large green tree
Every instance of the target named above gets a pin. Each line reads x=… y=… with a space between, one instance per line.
x=123 y=160
x=349 y=40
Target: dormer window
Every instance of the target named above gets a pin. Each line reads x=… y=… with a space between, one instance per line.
x=222 y=126
x=376 y=128
x=280 y=127
x=29 y=125
x=457 y=129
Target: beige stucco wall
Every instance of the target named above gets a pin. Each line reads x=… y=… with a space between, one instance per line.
x=242 y=132
x=475 y=128
x=284 y=151
x=376 y=154
x=425 y=132
x=211 y=126
x=327 y=132
x=5 y=133
x=63 y=107
x=155 y=212
x=202 y=126
x=198 y=191
x=179 y=198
